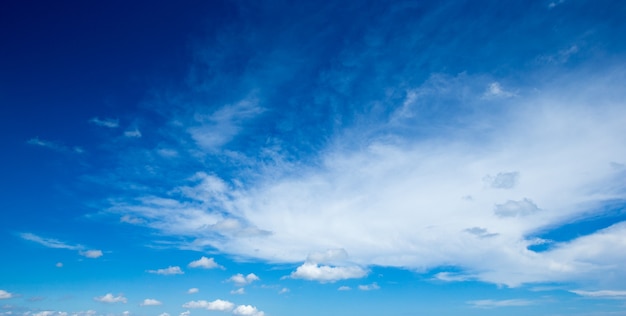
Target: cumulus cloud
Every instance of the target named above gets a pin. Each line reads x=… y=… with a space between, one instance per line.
x=344 y=288
x=150 y=302
x=171 y=270
x=205 y=263
x=503 y=180
x=240 y=280
x=247 y=310
x=5 y=295
x=283 y=290
x=105 y=122
x=323 y=273
x=110 y=298
x=193 y=290
x=499 y=303
x=59 y=265
x=217 y=305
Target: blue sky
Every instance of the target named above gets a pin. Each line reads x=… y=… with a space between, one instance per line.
x=338 y=158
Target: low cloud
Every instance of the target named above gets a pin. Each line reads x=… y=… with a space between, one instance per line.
x=171 y=270
x=217 y=305
x=369 y=287
x=193 y=290
x=323 y=273
x=521 y=208
x=205 y=263
x=238 y=291
x=150 y=302
x=608 y=294
x=247 y=310
x=503 y=180
x=241 y=280
x=110 y=298
x=5 y=295
x=91 y=253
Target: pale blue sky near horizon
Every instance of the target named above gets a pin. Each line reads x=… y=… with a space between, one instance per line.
x=269 y=158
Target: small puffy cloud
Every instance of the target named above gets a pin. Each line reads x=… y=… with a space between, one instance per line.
x=344 y=288
x=5 y=295
x=205 y=263
x=91 y=253
x=135 y=133
x=167 y=271
x=109 y=298
x=499 y=303
x=610 y=294
x=323 y=273
x=217 y=305
x=164 y=314
x=369 y=287
x=185 y=313
x=59 y=265
x=125 y=313
x=238 y=291
x=44 y=313
x=511 y=208
x=247 y=310
x=240 y=280
x=193 y=290
x=150 y=302
x=283 y=290
x=503 y=180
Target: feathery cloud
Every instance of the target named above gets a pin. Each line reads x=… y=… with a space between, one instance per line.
x=105 y=122
x=171 y=270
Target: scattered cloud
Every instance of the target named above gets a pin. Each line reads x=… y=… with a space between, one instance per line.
x=500 y=303
x=59 y=265
x=91 y=253
x=369 y=287
x=241 y=280
x=205 y=263
x=171 y=270
x=323 y=273
x=193 y=290
x=238 y=291
x=185 y=313
x=5 y=295
x=452 y=277
x=495 y=90
x=344 y=288
x=283 y=290
x=503 y=180
x=105 y=122
x=150 y=302
x=217 y=305
x=247 y=310
x=109 y=298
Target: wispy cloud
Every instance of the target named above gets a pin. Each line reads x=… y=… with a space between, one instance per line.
x=369 y=287
x=54 y=145
x=610 y=294
x=105 y=122
x=500 y=303
x=171 y=270
x=57 y=244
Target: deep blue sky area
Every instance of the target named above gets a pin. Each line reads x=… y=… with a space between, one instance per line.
x=269 y=158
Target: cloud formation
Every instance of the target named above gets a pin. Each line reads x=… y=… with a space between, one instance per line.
x=150 y=302
x=241 y=280
x=105 y=122
x=216 y=305
x=110 y=298
x=5 y=295
x=171 y=270
x=205 y=263
x=57 y=244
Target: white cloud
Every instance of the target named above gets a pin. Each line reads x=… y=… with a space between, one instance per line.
x=323 y=273
x=204 y=262
x=495 y=90
x=185 y=313
x=54 y=243
x=91 y=253
x=601 y=294
x=150 y=302
x=193 y=290
x=500 y=303
x=241 y=280
x=135 y=133
x=59 y=265
x=109 y=298
x=398 y=200
x=344 y=288
x=171 y=270
x=238 y=291
x=283 y=290
x=106 y=122
x=54 y=146
x=369 y=287
x=164 y=314
x=5 y=295
x=217 y=305
x=247 y=310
